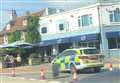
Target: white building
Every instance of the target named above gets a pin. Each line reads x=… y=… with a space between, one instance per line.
x=96 y=25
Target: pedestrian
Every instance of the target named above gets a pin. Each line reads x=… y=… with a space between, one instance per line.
x=11 y=61
x=7 y=61
x=18 y=59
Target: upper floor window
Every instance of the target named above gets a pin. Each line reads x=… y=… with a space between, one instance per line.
x=44 y=30
x=22 y=35
x=24 y=22
x=85 y=20
x=115 y=15
x=61 y=27
x=8 y=27
x=79 y=21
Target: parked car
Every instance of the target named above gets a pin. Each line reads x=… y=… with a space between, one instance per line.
x=79 y=58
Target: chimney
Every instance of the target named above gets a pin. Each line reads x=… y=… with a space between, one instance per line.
x=27 y=13
x=13 y=15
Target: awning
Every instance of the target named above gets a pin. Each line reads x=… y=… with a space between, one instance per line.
x=115 y=34
x=16 y=44
x=87 y=37
x=54 y=41
x=48 y=42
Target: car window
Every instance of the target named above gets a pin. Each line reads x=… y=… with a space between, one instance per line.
x=70 y=52
x=62 y=54
x=90 y=51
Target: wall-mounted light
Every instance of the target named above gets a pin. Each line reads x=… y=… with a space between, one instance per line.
x=71 y=16
x=50 y=20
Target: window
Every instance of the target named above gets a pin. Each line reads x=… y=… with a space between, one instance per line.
x=70 y=53
x=113 y=43
x=44 y=30
x=79 y=22
x=24 y=22
x=118 y=41
x=61 y=27
x=85 y=20
x=115 y=15
x=22 y=35
x=89 y=44
x=8 y=27
x=90 y=51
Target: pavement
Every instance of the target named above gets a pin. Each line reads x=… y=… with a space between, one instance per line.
x=115 y=61
x=35 y=68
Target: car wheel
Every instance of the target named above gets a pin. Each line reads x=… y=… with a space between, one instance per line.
x=97 y=69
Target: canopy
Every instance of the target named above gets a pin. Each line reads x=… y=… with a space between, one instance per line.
x=16 y=44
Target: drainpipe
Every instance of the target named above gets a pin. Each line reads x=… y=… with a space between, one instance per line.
x=100 y=26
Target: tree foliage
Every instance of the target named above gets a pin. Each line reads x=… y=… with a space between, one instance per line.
x=15 y=36
x=32 y=34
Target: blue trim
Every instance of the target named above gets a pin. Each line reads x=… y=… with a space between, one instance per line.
x=77 y=38
x=48 y=42
x=115 y=34
x=87 y=37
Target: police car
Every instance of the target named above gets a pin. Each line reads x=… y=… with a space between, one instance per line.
x=79 y=58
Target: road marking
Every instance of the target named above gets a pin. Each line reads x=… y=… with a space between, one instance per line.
x=32 y=79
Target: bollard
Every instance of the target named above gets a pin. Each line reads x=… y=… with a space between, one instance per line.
x=13 y=74
x=42 y=77
x=74 y=75
x=110 y=66
x=55 y=70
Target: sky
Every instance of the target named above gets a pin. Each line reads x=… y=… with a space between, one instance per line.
x=21 y=6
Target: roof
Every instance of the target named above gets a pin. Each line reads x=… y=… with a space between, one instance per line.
x=17 y=24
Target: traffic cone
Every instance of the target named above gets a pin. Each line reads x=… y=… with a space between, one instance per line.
x=75 y=76
x=13 y=74
x=110 y=66
x=42 y=77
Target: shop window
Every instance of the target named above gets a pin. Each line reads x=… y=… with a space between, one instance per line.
x=91 y=44
x=118 y=41
x=44 y=30
x=114 y=43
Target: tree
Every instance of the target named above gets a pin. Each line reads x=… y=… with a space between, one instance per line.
x=32 y=34
x=15 y=36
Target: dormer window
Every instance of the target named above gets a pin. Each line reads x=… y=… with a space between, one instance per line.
x=24 y=22
x=8 y=27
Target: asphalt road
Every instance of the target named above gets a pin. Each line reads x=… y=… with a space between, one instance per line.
x=104 y=76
